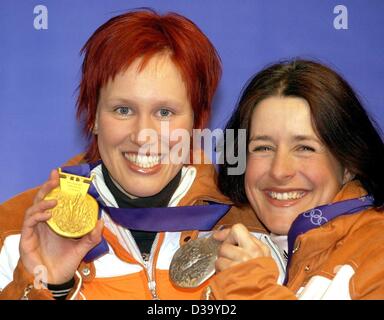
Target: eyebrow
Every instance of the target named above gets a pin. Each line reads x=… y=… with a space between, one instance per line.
x=130 y=102
x=296 y=138
x=260 y=138
x=119 y=100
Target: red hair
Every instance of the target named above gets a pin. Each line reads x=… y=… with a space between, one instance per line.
x=144 y=33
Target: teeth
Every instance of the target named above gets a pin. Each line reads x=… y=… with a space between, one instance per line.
x=143 y=161
x=287 y=195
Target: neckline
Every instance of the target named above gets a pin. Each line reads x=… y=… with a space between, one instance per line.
x=124 y=200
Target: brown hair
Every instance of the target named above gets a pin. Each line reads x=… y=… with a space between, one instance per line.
x=338 y=117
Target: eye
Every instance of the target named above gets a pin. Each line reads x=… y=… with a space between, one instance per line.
x=306 y=148
x=123 y=111
x=164 y=113
x=261 y=149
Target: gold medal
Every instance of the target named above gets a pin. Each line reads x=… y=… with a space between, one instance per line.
x=194 y=262
x=76 y=212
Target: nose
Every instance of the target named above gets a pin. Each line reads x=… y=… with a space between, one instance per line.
x=283 y=166
x=144 y=130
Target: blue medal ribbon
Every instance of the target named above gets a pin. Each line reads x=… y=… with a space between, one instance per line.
x=320 y=215
x=150 y=219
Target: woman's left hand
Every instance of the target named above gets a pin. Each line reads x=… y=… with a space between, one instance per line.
x=238 y=245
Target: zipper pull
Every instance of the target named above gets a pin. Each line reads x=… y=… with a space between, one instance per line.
x=152 y=288
x=145 y=257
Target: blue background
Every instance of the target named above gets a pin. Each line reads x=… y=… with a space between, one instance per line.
x=39 y=69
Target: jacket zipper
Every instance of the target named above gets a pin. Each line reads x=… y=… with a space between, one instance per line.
x=273 y=246
x=150 y=270
x=146 y=263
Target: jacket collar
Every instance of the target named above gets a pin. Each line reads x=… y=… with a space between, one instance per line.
x=319 y=239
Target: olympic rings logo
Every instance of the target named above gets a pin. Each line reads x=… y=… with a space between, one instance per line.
x=316 y=217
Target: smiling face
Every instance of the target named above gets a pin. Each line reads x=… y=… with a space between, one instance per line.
x=289 y=170
x=142 y=102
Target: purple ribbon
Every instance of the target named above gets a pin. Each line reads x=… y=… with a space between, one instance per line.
x=150 y=219
x=318 y=216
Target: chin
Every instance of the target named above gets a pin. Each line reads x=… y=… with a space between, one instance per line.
x=144 y=192
x=279 y=229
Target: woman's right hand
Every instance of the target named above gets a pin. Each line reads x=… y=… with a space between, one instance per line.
x=40 y=246
x=238 y=246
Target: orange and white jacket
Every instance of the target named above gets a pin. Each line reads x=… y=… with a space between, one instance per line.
x=122 y=273
x=342 y=259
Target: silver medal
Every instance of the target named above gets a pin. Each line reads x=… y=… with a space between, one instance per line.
x=194 y=262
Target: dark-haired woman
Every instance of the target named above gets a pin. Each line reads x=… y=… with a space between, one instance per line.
x=315 y=179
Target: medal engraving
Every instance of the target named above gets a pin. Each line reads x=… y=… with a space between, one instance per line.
x=194 y=262
x=76 y=212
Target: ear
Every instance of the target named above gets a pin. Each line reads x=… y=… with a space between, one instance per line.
x=348 y=176
x=95 y=125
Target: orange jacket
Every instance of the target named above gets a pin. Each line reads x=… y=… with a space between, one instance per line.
x=116 y=275
x=342 y=259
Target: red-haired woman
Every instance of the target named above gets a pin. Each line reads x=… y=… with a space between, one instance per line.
x=142 y=72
